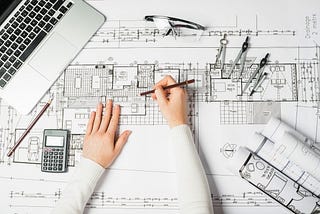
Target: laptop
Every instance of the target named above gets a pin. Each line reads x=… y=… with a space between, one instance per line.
x=38 y=39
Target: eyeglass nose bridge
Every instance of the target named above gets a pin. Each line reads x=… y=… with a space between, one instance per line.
x=174 y=26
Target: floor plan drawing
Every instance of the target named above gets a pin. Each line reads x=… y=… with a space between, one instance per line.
x=128 y=56
x=280 y=187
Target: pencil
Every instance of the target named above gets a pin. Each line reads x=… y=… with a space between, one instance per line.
x=169 y=86
x=45 y=107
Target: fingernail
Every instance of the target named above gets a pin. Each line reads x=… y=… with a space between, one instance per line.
x=129 y=132
x=157 y=92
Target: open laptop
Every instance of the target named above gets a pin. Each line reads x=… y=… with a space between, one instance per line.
x=38 y=39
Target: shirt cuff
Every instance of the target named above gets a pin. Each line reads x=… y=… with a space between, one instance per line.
x=89 y=171
x=181 y=131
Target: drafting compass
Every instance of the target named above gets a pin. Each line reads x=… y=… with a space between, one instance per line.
x=259 y=74
x=258 y=84
x=222 y=51
x=241 y=57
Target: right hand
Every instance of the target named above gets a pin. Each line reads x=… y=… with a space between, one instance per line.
x=172 y=102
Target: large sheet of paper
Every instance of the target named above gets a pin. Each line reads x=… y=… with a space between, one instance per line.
x=127 y=56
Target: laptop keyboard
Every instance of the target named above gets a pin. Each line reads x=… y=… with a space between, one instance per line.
x=24 y=32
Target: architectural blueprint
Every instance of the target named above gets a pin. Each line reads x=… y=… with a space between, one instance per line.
x=276 y=184
x=286 y=178
x=129 y=55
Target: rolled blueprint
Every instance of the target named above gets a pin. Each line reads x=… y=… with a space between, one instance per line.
x=299 y=153
x=275 y=129
x=239 y=157
x=273 y=182
x=269 y=151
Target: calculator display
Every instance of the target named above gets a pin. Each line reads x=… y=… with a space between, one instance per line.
x=54 y=141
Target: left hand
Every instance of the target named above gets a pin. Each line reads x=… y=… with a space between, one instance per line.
x=100 y=143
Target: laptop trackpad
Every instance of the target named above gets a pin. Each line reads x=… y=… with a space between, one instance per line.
x=53 y=56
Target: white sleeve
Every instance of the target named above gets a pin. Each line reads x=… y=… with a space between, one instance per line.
x=193 y=189
x=80 y=188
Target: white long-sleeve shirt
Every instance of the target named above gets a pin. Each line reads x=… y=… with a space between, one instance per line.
x=193 y=189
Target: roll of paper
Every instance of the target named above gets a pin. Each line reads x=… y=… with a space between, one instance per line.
x=299 y=153
x=269 y=151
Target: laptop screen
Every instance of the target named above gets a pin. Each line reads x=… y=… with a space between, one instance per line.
x=6 y=7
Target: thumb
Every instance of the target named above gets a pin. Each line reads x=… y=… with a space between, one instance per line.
x=161 y=96
x=121 y=141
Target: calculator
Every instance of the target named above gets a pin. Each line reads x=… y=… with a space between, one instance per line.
x=55 y=150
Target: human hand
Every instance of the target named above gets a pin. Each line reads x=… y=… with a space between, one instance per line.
x=172 y=102
x=99 y=142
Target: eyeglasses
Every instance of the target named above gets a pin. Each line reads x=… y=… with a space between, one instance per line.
x=174 y=26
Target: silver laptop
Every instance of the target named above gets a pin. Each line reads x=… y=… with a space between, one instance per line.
x=38 y=39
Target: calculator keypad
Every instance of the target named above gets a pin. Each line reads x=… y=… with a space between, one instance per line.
x=53 y=160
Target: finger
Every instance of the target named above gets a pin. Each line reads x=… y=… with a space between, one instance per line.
x=167 y=80
x=114 y=121
x=123 y=138
x=178 y=92
x=90 y=123
x=161 y=96
x=97 y=119
x=153 y=96
x=106 y=118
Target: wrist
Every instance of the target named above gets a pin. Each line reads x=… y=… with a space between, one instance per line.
x=177 y=123
x=95 y=160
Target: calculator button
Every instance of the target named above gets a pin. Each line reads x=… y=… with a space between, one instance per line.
x=44 y=168
x=60 y=157
x=60 y=161
x=50 y=157
x=60 y=153
x=55 y=153
x=50 y=164
x=45 y=164
x=45 y=153
x=45 y=160
x=55 y=164
x=55 y=157
x=45 y=156
x=55 y=168
x=50 y=153
x=50 y=168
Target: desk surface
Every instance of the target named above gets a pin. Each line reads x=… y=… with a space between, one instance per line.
x=126 y=57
